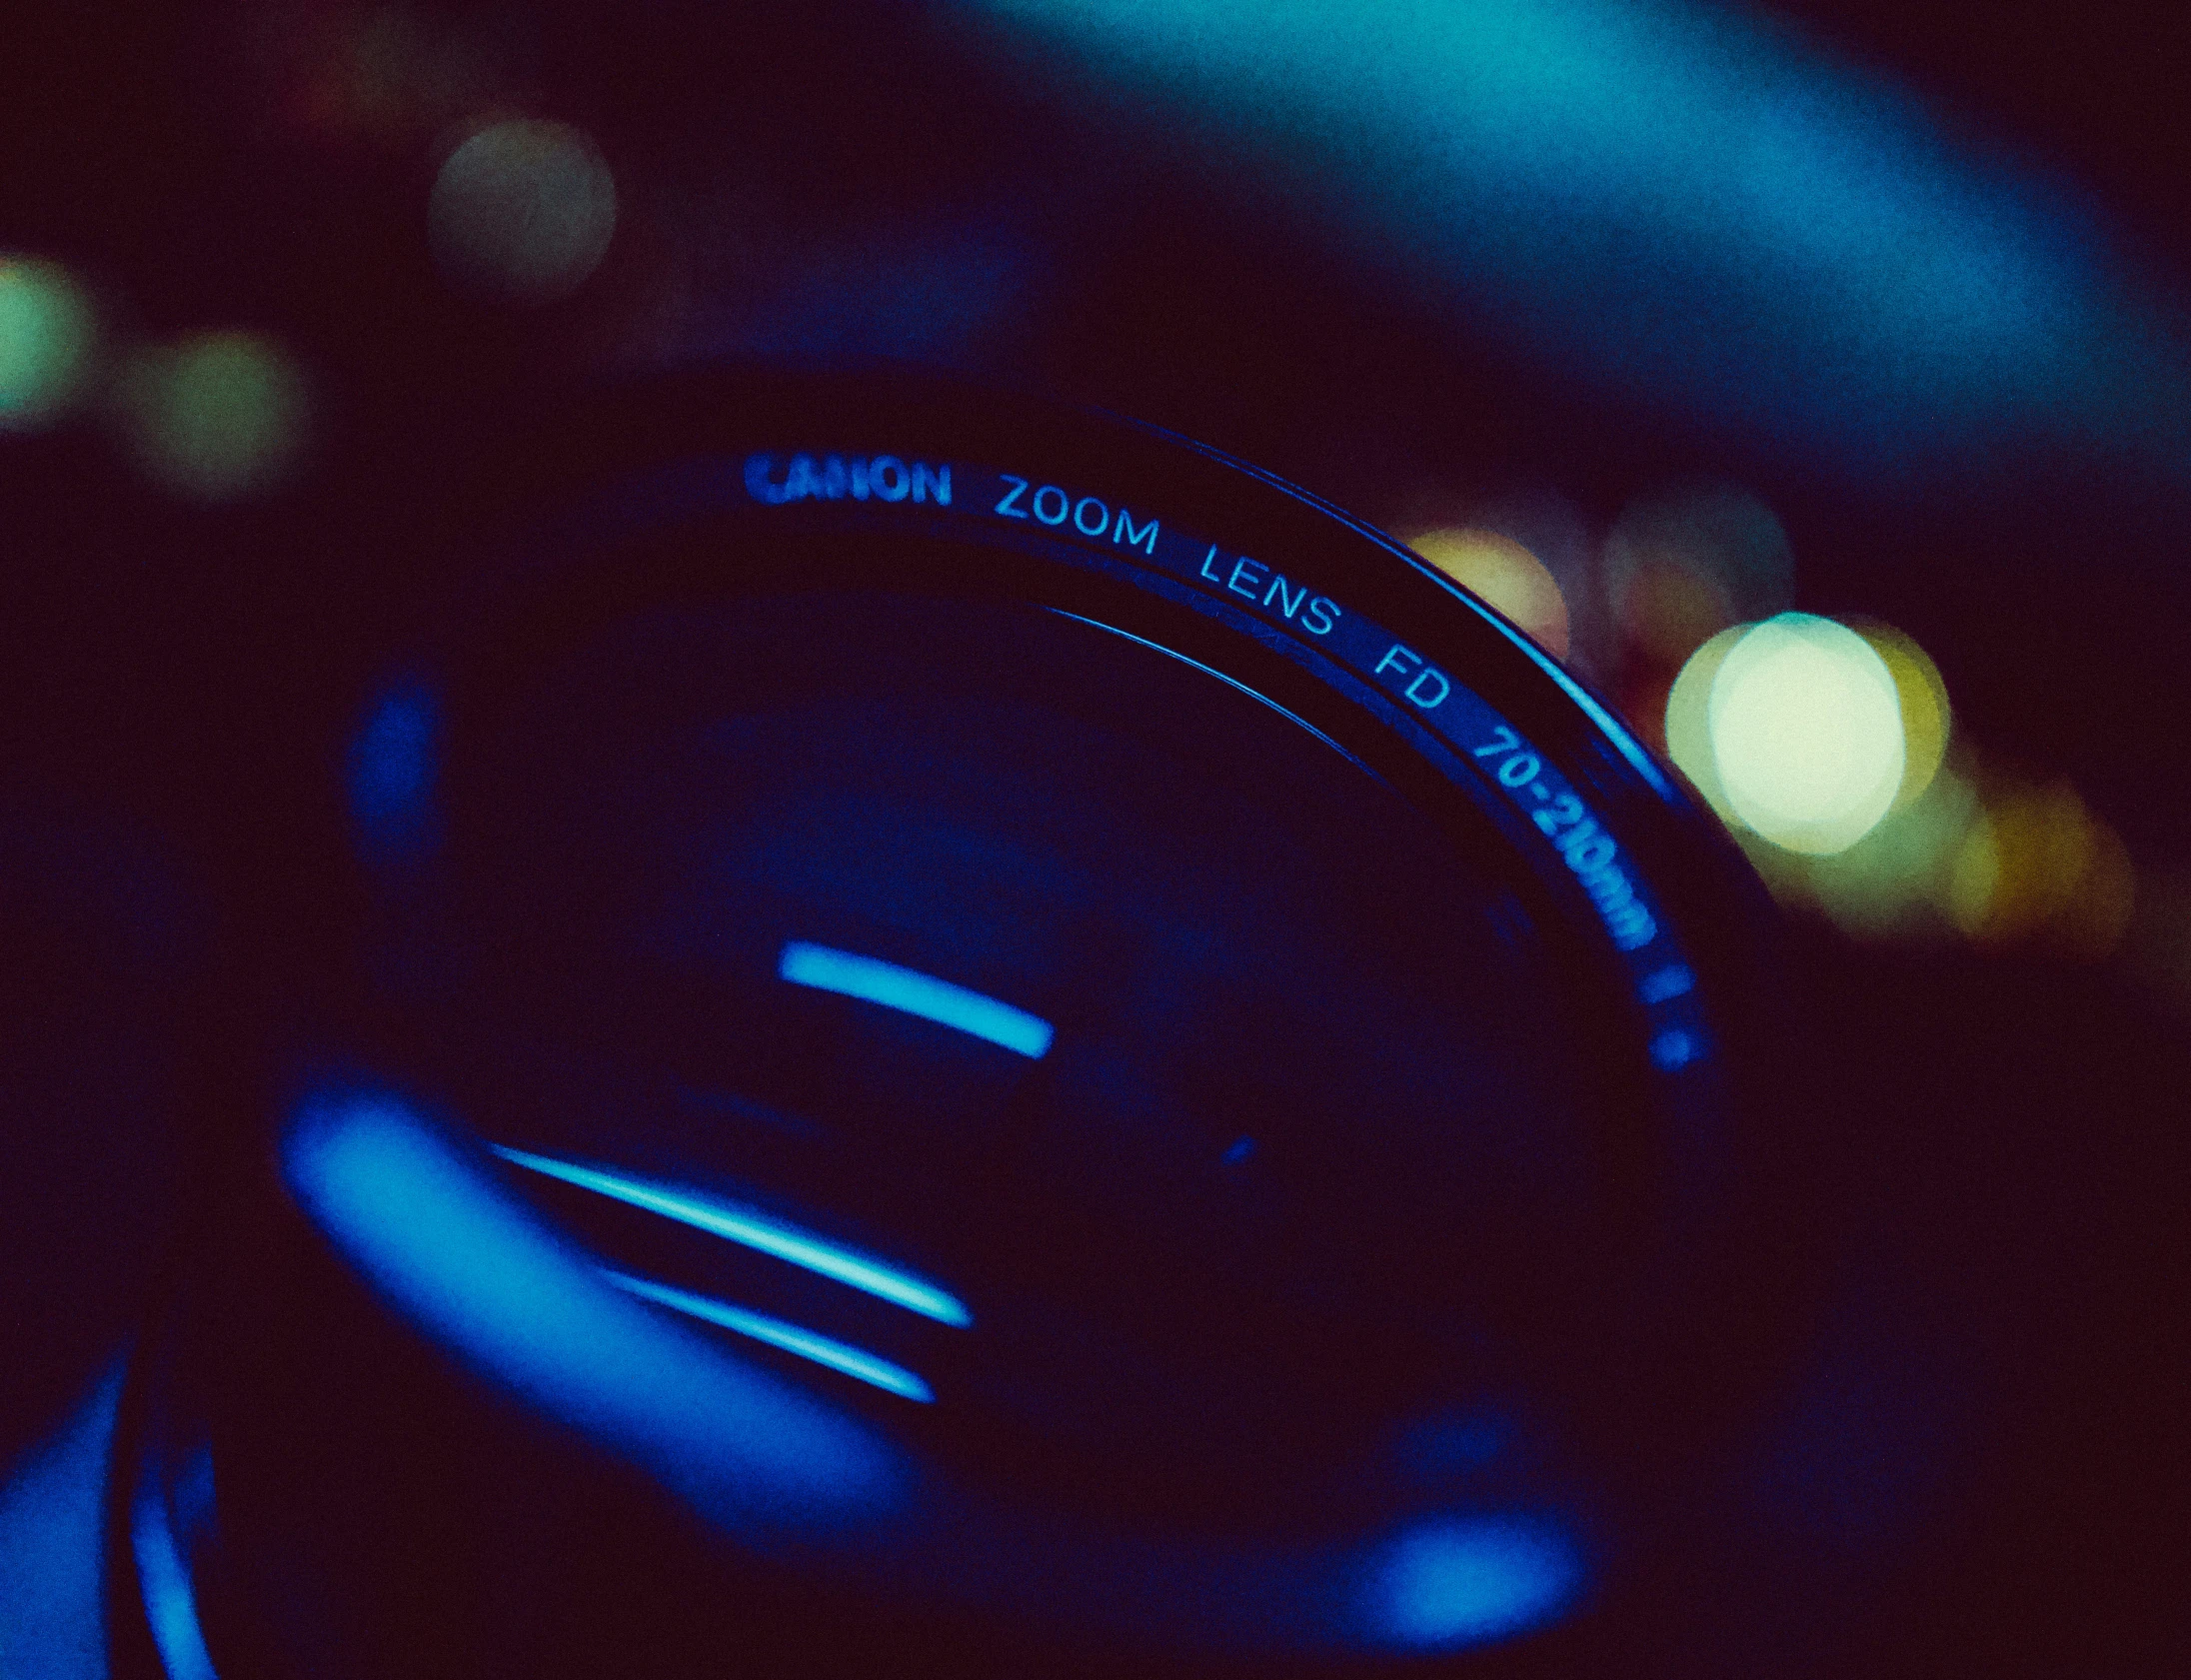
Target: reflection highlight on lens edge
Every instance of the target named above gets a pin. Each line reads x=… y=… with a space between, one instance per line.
x=756 y=1231
x=436 y=1239
x=823 y=1350
x=171 y=1607
x=911 y=993
x=779 y=1467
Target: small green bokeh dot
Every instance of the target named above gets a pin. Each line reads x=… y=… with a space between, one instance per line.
x=217 y=417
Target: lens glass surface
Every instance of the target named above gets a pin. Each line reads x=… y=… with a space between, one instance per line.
x=1136 y=1013
x=976 y=1005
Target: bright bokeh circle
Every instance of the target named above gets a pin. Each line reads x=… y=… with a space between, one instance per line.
x=1806 y=725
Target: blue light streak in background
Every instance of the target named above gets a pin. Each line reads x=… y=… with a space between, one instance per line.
x=914 y=994
x=1459 y=1581
x=1671 y=199
x=823 y=1350
x=757 y=1231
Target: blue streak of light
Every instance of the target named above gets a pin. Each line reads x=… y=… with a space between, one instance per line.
x=1458 y=1581
x=876 y=982
x=439 y=1240
x=756 y=1231
x=790 y=1337
x=171 y=1608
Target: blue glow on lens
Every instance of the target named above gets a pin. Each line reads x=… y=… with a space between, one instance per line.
x=906 y=989
x=756 y=1231
x=790 y=1337
x=429 y=1229
x=1459 y=1581
x=1670 y=981
x=171 y=1608
x=392 y=767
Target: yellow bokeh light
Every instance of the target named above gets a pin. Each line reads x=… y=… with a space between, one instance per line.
x=1829 y=751
x=1503 y=574
x=1927 y=722
x=47 y=331
x=2040 y=864
x=1974 y=882
x=216 y=416
x=522 y=212
x=1806 y=733
x=1893 y=880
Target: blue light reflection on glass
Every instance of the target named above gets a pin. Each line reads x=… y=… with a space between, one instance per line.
x=1456 y=1581
x=1261 y=699
x=437 y=1238
x=906 y=989
x=756 y=1231
x=171 y=1608
x=432 y=1232
x=823 y=1350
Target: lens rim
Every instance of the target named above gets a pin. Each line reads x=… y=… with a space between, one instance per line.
x=574 y=490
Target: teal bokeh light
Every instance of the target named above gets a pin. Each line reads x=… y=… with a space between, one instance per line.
x=46 y=332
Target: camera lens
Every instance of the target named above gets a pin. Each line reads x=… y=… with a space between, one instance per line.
x=967 y=1035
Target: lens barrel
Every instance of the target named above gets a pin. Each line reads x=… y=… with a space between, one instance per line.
x=934 y=1029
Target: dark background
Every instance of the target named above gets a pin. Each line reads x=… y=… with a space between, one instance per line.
x=1996 y=1449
